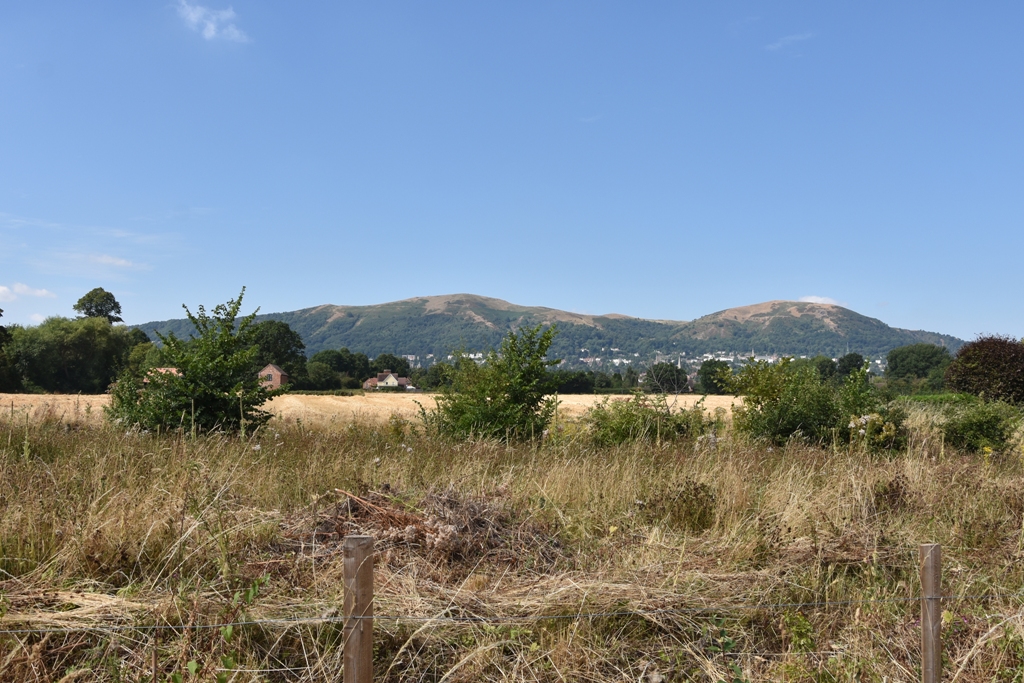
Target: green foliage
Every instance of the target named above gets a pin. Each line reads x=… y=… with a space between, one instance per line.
x=849 y=364
x=825 y=366
x=436 y=376
x=917 y=368
x=781 y=402
x=71 y=356
x=573 y=381
x=916 y=361
x=642 y=418
x=215 y=385
x=665 y=378
x=99 y=303
x=713 y=377
x=506 y=397
x=279 y=344
x=9 y=379
x=799 y=632
x=991 y=367
x=881 y=430
x=387 y=362
x=981 y=425
x=336 y=368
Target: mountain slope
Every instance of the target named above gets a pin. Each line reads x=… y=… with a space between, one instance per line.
x=801 y=328
x=439 y=325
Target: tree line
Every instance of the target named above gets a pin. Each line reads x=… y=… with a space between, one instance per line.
x=88 y=353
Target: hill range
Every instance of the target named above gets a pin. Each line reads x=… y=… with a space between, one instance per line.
x=438 y=325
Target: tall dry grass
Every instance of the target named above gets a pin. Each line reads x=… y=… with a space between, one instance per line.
x=99 y=527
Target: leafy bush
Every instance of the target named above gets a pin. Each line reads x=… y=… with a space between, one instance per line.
x=782 y=401
x=505 y=398
x=974 y=427
x=211 y=382
x=642 y=418
x=990 y=367
x=881 y=430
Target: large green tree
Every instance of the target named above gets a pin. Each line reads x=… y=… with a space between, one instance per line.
x=278 y=343
x=991 y=367
x=713 y=377
x=213 y=382
x=9 y=380
x=506 y=397
x=345 y=362
x=848 y=364
x=99 y=303
x=72 y=356
x=665 y=378
x=906 y=364
x=390 y=362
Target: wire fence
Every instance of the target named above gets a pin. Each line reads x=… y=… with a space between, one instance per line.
x=354 y=616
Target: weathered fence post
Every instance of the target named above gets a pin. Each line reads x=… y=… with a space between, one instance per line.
x=358 y=571
x=931 y=612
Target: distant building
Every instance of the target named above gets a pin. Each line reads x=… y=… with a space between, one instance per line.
x=273 y=377
x=388 y=380
x=162 y=371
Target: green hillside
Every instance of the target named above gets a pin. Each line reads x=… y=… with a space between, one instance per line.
x=438 y=325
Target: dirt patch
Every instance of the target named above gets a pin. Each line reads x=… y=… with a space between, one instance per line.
x=442 y=526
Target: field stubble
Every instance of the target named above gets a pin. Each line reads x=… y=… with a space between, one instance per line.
x=101 y=528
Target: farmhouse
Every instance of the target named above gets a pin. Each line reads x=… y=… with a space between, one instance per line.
x=273 y=377
x=387 y=380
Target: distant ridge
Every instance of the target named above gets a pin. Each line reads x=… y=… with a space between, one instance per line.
x=438 y=325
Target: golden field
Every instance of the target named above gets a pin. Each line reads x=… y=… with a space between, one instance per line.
x=312 y=409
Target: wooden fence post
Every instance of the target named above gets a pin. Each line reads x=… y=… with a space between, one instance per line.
x=931 y=612
x=358 y=631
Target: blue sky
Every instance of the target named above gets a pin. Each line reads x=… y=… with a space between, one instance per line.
x=663 y=160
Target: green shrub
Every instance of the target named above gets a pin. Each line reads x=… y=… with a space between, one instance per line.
x=505 y=398
x=881 y=430
x=212 y=381
x=974 y=427
x=784 y=400
x=780 y=403
x=643 y=418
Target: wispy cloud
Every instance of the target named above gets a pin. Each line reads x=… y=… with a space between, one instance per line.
x=818 y=300
x=788 y=40
x=37 y=317
x=21 y=289
x=212 y=24
x=107 y=260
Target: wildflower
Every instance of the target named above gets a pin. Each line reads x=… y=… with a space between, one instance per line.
x=257 y=447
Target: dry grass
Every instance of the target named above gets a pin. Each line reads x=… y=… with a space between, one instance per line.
x=102 y=528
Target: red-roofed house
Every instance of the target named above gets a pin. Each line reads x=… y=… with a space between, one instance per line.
x=387 y=380
x=273 y=377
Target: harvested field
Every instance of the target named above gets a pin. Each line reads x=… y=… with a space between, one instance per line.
x=310 y=409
